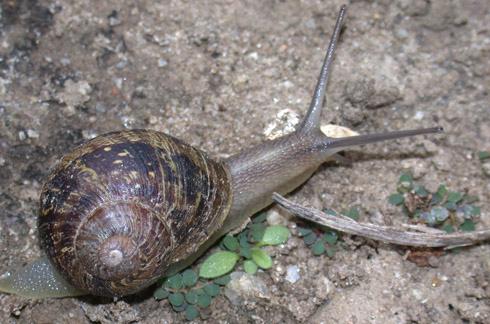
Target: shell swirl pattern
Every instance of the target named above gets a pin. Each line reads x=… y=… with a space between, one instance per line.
x=119 y=209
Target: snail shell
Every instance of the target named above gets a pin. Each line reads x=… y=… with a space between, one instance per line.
x=120 y=208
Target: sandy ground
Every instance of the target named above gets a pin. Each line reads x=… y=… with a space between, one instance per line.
x=216 y=74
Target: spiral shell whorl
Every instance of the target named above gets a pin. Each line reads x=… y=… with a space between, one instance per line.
x=122 y=208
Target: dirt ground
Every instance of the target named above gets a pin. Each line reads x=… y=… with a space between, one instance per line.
x=216 y=74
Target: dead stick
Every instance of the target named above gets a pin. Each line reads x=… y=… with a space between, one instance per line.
x=387 y=234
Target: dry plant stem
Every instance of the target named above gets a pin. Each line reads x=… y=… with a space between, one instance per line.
x=386 y=234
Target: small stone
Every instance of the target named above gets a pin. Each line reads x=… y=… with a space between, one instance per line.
x=75 y=93
x=310 y=23
x=32 y=133
x=486 y=168
x=22 y=135
x=65 y=61
x=89 y=134
x=245 y=286
x=419 y=115
x=162 y=63
x=292 y=274
x=274 y=217
x=100 y=107
x=323 y=288
x=401 y=33
x=118 y=82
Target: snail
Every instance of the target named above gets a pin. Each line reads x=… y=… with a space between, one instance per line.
x=129 y=207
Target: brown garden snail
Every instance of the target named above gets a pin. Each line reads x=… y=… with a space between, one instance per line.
x=126 y=208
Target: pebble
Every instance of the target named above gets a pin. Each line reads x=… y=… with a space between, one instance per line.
x=162 y=63
x=486 y=168
x=22 y=135
x=292 y=274
x=245 y=286
x=32 y=133
x=275 y=218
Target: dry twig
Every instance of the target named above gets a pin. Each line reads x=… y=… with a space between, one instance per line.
x=387 y=234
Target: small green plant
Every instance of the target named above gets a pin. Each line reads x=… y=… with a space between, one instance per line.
x=443 y=209
x=189 y=294
x=192 y=292
x=484 y=155
x=323 y=240
x=246 y=246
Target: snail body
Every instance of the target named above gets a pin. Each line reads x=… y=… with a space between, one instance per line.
x=129 y=207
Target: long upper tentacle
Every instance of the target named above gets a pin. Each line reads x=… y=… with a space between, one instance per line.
x=312 y=118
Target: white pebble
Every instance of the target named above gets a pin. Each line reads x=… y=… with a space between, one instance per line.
x=162 y=63
x=292 y=273
x=32 y=133
x=419 y=115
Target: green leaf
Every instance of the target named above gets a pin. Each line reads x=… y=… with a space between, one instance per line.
x=406 y=181
x=222 y=281
x=231 y=243
x=451 y=206
x=470 y=210
x=330 y=237
x=243 y=238
x=257 y=231
x=467 y=226
x=191 y=313
x=330 y=211
x=260 y=218
x=454 y=197
x=318 y=248
x=436 y=199
x=218 y=264
x=442 y=190
x=302 y=231
x=352 y=213
x=448 y=228
x=189 y=278
x=250 y=267
x=262 y=259
x=176 y=299
x=204 y=300
x=310 y=239
x=191 y=297
x=483 y=155
x=331 y=251
x=211 y=289
x=274 y=235
x=246 y=252
x=174 y=282
x=180 y=308
x=396 y=199
x=160 y=294
x=421 y=191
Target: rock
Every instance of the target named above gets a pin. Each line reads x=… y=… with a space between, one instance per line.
x=244 y=286
x=292 y=274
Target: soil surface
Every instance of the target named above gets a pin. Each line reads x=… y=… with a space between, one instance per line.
x=217 y=74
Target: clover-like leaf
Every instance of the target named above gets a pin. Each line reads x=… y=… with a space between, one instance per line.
x=191 y=313
x=189 y=278
x=176 y=299
x=396 y=199
x=160 y=294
